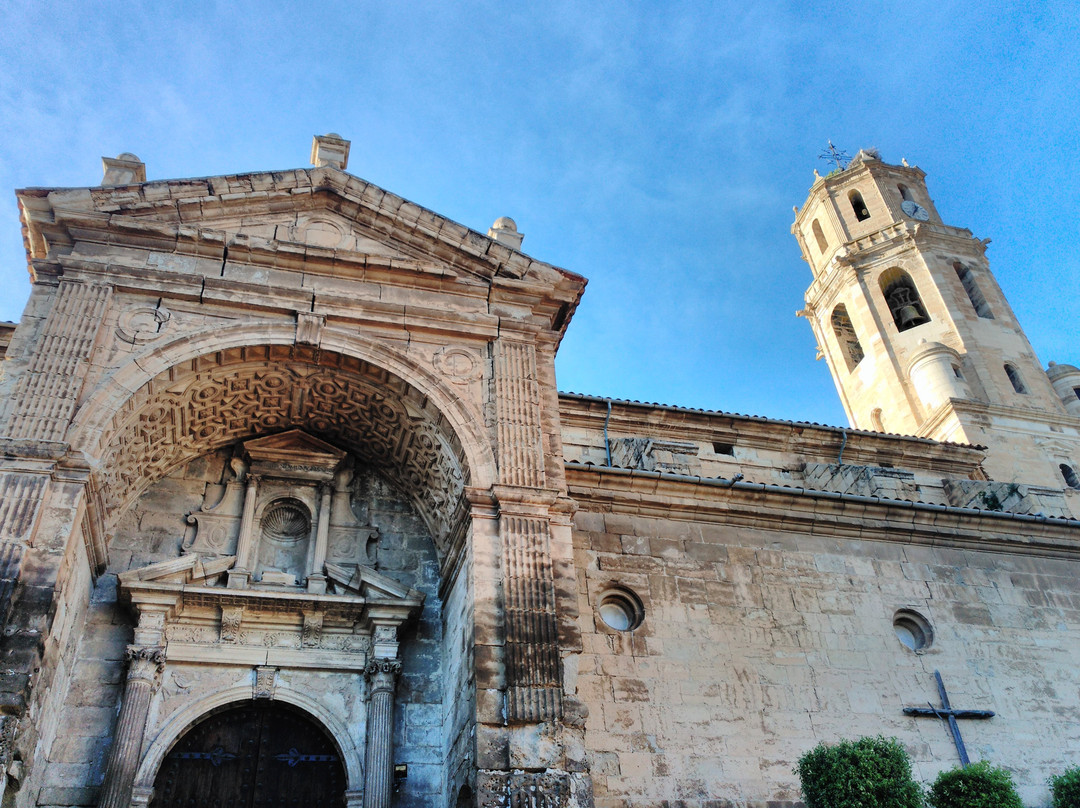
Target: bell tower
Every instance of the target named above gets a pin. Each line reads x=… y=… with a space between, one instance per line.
x=918 y=336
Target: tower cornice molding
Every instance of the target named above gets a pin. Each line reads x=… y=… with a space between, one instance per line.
x=1016 y=416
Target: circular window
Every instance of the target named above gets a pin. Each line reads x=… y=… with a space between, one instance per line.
x=913 y=630
x=621 y=609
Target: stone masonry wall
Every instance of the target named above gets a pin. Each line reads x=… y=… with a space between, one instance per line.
x=152 y=531
x=459 y=683
x=49 y=720
x=757 y=645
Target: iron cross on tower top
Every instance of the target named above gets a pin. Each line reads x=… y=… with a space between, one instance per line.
x=834 y=155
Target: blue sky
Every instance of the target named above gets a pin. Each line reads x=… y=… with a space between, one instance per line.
x=656 y=148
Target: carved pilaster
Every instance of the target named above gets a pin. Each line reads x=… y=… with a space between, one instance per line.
x=143 y=675
x=517 y=401
x=20 y=495
x=379 y=769
x=46 y=394
x=534 y=688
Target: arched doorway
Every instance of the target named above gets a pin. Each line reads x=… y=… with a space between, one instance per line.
x=259 y=753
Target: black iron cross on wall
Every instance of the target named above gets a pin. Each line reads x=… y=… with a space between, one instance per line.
x=947 y=713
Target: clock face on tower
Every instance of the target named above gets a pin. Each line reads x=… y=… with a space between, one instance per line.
x=915 y=210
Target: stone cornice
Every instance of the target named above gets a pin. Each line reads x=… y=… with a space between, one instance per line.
x=820 y=513
x=1015 y=416
x=815 y=441
x=177 y=216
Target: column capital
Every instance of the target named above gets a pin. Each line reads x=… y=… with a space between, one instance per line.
x=145 y=663
x=381 y=673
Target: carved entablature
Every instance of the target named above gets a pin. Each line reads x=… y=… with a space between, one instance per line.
x=202 y=619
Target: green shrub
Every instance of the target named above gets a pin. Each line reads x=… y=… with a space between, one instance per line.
x=867 y=773
x=1065 y=789
x=979 y=785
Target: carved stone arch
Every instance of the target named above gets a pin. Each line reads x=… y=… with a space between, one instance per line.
x=139 y=426
x=188 y=715
x=89 y=429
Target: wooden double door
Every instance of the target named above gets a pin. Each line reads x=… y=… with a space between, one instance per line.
x=261 y=753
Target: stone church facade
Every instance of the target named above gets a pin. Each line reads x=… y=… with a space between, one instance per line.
x=291 y=510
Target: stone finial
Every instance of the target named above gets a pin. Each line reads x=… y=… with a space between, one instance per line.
x=330 y=150
x=505 y=232
x=123 y=170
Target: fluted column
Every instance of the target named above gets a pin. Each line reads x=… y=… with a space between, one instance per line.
x=240 y=574
x=378 y=771
x=316 y=576
x=144 y=668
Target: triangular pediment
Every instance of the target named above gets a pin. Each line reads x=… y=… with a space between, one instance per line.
x=318 y=228
x=321 y=208
x=294 y=446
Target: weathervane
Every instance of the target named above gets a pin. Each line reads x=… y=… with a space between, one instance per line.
x=835 y=155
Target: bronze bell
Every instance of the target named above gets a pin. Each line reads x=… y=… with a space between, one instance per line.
x=909 y=316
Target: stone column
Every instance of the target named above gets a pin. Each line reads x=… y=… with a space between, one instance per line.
x=245 y=543
x=144 y=668
x=379 y=766
x=316 y=576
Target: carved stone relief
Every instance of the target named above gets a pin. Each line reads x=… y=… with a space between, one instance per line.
x=284 y=542
x=230 y=623
x=216 y=526
x=185 y=413
x=459 y=365
x=141 y=324
x=265 y=682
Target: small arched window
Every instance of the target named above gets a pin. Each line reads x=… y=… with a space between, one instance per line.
x=1071 y=479
x=905 y=194
x=822 y=244
x=846 y=337
x=902 y=298
x=975 y=295
x=857 y=205
x=1015 y=378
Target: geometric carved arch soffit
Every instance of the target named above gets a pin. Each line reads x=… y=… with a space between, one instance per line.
x=218 y=399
